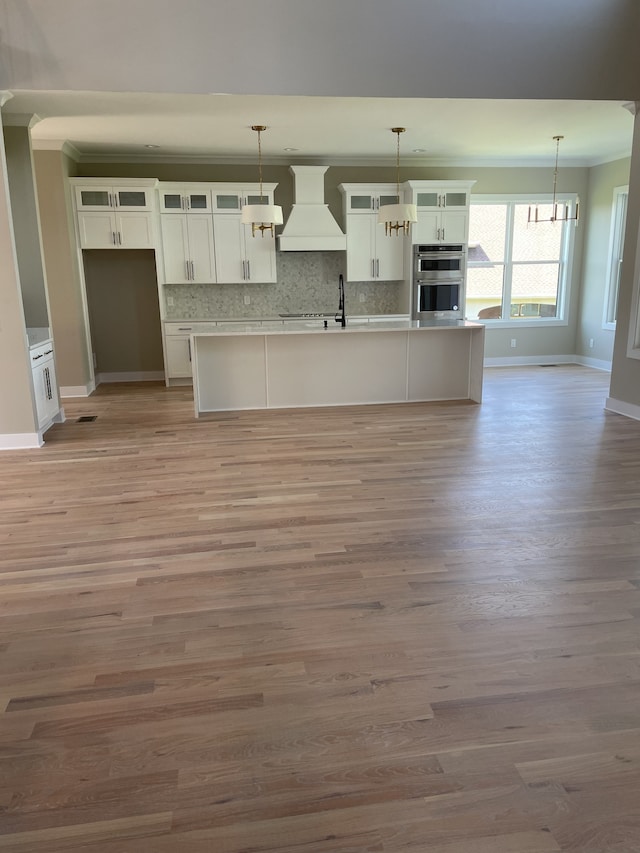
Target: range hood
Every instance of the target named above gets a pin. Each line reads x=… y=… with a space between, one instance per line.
x=310 y=226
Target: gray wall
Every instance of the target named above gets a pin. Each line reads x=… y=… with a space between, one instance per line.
x=595 y=268
x=52 y=170
x=122 y=295
x=26 y=227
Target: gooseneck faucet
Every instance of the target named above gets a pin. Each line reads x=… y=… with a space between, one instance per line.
x=341 y=316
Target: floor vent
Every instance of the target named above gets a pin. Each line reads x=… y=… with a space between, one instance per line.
x=86 y=419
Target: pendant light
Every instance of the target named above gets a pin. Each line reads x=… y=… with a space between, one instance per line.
x=559 y=212
x=396 y=218
x=261 y=217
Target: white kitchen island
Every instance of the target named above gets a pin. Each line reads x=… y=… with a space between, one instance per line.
x=303 y=364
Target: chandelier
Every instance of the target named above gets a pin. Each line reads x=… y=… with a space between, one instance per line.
x=559 y=212
x=397 y=218
x=261 y=217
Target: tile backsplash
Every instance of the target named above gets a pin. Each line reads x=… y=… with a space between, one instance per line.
x=307 y=282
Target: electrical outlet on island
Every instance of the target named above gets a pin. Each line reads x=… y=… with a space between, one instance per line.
x=170 y=301
x=247 y=299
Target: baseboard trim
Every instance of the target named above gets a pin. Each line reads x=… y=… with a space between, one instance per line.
x=131 y=376
x=21 y=441
x=78 y=390
x=524 y=360
x=596 y=363
x=619 y=407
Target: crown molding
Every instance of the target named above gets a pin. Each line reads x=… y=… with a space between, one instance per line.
x=5 y=96
x=21 y=120
x=63 y=145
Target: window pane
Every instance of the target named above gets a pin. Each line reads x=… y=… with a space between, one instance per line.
x=484 y=292
x=487 y=229
x=534 y=290
x=540 y=241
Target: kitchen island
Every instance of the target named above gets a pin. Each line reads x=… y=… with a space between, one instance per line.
x=304 y=364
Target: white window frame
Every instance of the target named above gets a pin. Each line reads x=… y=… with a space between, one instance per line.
x=616 y=246
x=565 y=261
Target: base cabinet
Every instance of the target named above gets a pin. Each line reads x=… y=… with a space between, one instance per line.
x=178 y=352
x=45 y=386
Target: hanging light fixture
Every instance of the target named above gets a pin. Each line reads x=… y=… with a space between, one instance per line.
x=261 y=217
x=559 y=212
x=396 y=218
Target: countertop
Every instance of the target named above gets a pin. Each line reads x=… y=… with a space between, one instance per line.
x=317 y=327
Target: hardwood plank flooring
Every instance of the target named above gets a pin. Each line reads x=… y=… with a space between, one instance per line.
x=390 y=628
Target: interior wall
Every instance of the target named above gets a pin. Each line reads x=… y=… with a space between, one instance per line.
x=25 y=226
x=576 y=49
x=625 y=373
x=597 y=214
x=52 y=170
x=124 y=314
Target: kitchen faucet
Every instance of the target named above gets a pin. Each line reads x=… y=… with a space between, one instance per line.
x=340 y=316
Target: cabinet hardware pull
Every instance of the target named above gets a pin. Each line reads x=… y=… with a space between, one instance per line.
x=119 y=239
x=36 y=357
x=189 y=345
x=377 y=267
x=373 y=268
x=48 y=352
x=193 y=271
x=244 y=276
x=111 y=204
x=248 y=270
x=186 y=263
x=184 y=328
x=188 y=203
x=443 y=233
x=113 y=237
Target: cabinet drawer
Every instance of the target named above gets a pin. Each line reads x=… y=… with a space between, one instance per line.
x=41 y=354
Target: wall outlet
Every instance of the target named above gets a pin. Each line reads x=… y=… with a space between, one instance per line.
x=170 y=301
x=247 y=299
x=361 y=297
x=590 y=343
x=513 y=343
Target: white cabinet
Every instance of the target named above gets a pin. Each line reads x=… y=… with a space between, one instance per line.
x=241 y=256
x=371 y=254
x=44 y=383
x=98 y=195
x=178 y=350
x=187 y=248
x=116 y=230
x=443 y=210
x=189 y=198
x=115 y=215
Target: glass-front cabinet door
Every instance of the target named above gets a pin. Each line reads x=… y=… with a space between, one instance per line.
x=98 y=198
x=227 y=202
x=177 y=199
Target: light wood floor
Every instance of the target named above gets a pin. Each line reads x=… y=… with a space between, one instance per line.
x=392 y=628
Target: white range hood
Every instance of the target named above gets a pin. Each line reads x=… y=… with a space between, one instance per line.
x=310 y=226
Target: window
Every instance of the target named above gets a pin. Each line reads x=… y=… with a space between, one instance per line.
x=516 y=272
x=616 y=243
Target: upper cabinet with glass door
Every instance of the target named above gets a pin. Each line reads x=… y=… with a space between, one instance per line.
x=453 y=195
x=358 y=201
x=98 y=194
x=184 y=198
x=231 y=198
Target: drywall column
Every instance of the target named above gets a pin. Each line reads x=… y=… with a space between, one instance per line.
x=18 y=421
x=624 y=392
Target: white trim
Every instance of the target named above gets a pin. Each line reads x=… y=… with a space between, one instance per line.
x=131 y=376
x=619 y=407
x=21 y=440
x=523 y=360
x=596 y=363
x=77 y=390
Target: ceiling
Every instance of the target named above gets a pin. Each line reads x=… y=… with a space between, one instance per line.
x=216 y=128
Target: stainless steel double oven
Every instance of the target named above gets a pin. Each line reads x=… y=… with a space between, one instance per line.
x=438 y=281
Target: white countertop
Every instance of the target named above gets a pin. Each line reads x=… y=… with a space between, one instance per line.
x=316 y=326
